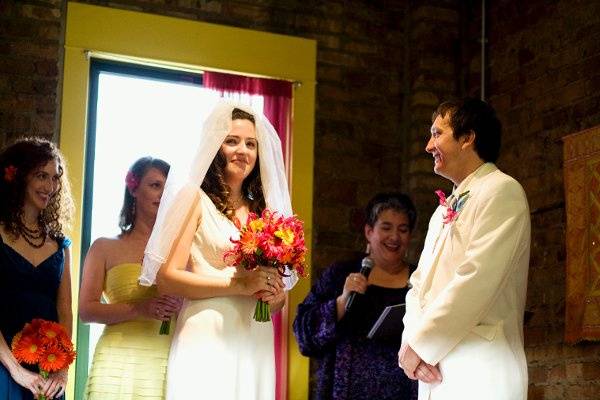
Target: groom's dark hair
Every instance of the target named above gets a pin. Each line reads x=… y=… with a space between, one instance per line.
x=473 y=115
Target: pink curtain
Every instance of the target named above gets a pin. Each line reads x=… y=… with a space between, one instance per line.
x=277 y=97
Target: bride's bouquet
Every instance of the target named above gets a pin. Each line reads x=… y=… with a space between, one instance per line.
x=270 y=240
x=45 y=344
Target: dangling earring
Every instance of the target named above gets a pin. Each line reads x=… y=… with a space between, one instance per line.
x=368 y=249
x=133 y=209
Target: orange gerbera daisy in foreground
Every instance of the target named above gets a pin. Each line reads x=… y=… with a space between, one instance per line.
x=53 y=359
x=50 y=332
x=45 y=344
x=27 y=349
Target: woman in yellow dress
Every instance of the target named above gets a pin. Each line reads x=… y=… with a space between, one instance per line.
x=130 y=360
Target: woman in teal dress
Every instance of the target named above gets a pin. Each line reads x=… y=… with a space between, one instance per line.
x=130 y=360
x=35 y=282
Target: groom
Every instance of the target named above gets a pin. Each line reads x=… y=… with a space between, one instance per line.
x=463 y=336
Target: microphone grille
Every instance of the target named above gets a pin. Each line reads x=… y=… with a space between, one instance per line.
x=367 y=263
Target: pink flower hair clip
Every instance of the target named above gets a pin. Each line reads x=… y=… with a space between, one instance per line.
x=454 y=206
x=131 y=181
x=10 y=173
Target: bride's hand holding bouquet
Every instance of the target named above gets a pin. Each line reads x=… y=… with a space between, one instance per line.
x=275 y=296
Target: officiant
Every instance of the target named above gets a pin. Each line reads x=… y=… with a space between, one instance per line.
x=332 y=329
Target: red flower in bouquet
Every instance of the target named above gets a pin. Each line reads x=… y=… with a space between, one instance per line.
x=45 y=344
x=271 y=240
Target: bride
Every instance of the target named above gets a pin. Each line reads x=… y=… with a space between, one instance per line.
x=218 y=350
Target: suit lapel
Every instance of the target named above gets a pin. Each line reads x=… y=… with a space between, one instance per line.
x=430 y=263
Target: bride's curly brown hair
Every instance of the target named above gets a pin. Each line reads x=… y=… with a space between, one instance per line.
x=17 y=162
x=218 y=191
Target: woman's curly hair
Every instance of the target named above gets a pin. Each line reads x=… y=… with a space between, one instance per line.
x=218 y=191
x=17 y=162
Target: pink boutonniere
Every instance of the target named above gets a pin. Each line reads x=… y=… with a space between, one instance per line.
x=453 y=206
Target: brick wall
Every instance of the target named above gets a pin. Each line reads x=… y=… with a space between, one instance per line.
x=31 y=37
x=431 y=76
x=544 y=66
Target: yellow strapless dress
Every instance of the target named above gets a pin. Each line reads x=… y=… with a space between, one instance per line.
x=130 y=361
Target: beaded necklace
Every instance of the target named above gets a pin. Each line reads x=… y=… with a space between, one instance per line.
x=32 y=235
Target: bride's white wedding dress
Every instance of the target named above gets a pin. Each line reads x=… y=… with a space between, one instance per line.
x=218 y=351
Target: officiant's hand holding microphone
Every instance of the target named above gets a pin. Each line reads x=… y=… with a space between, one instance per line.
x=356 y=284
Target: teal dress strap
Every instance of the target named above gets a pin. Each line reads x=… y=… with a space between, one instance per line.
x=63 y=243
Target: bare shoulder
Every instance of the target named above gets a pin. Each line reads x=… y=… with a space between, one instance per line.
x=106 y=245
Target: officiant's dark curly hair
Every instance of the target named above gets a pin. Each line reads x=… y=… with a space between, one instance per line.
x=218 y=191
x=17 y=162
x=399 y=202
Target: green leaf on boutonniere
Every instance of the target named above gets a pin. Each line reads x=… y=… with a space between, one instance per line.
x=460 y=201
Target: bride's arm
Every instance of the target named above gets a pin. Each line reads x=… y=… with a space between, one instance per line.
x=174 y=279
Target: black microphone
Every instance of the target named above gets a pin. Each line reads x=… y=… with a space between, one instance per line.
x=365 y=268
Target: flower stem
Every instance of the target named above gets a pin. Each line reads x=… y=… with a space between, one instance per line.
x=44 y=374
x=262 y=311
x=165 y=328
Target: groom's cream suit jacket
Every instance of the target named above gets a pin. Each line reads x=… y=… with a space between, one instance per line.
x=465 y=309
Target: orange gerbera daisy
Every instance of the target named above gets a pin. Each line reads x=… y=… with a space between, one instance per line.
x=15 y=340
x=27 y=349
x=65 y=341
x=53 y=359
x=249 y=242
x=50 y=332
x=29 y=329
x=71 y=355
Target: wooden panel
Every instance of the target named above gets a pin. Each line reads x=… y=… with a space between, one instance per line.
x=582 y=194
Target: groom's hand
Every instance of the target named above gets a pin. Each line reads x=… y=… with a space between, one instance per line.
x=408 y=360
x=415 y=368
x=428 y=373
